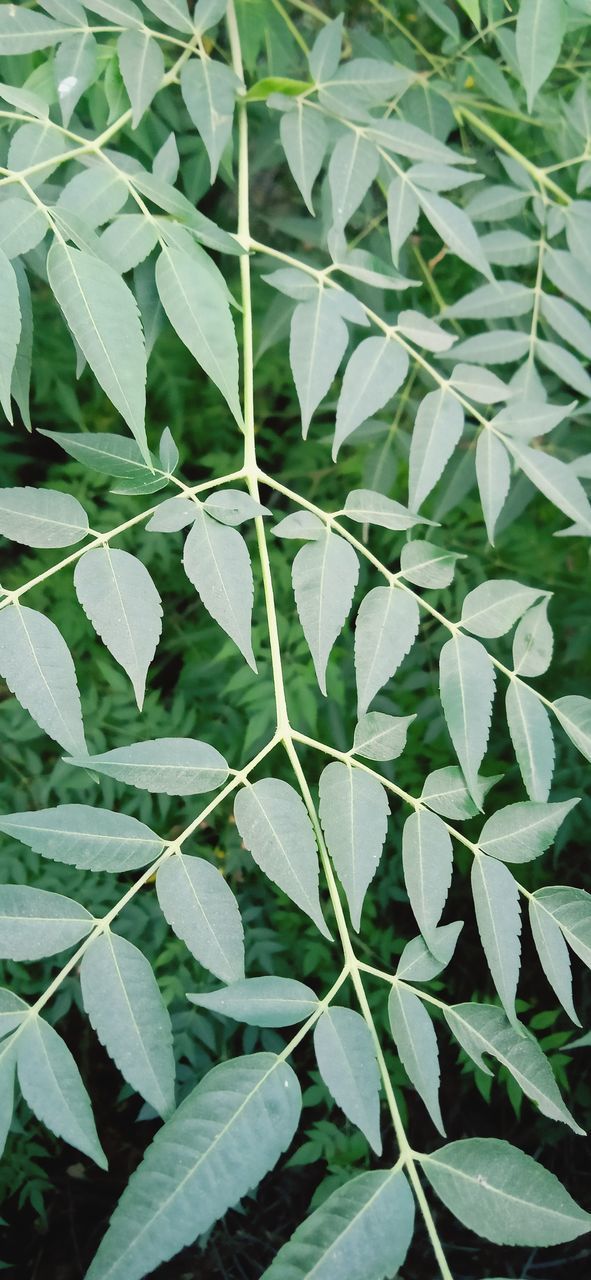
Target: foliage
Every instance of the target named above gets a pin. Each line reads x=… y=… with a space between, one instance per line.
x=423 y=157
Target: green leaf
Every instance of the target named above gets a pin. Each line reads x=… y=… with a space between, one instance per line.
x=318 y=340
x=493 y=607
x=120 y=600
x=35 y=923
x=467 y=685
x=173 y=13
x=226 y=1135
x=523 y=831
x=346 y=1060
x=553 y=954
x=426 y=565
x=554 y=479
x=201 y=908
x=22 y=227
x=41 y=517
x=353 y=167
x=302 y=525
x=141 y=63
x=493 y=301
x=84 y=837
x=385 y=630
x=354 y=814
x=12 y=1011
x=574 y=714
x=446 y=792
x=103 y=317
x=538 y=37
x=423 y=331
x=110 y=454
x=51 y=1085
x=484 y=1028
x=502 y=1194
x=233 y=506
x=275 y=828
x=198 y=310
x=124 y=1005
x=263 y=89
x=37 y=667
x=207 y=13
x=173 y=514
x=324 y=575
x=209 y=92
x=403 y=212
x=168 y=766
x=10 y=330
x=22 y=31
x=369 y=1219
x=217 y=562
x=531 y=735
x=496 y=904
x=374 y=373
x=380 y=737
x=367 y=507
x=438 y=427
x=571 y=909
x=455 y=229
x=128 y=241
x=261 y=1002
x=121 y=12
x=416 y=1042
x=325 y=54
x=304 y=138
x=76 y=68
x=533 y=642
x=427 y=859
x=418 y=964
x=493 y=473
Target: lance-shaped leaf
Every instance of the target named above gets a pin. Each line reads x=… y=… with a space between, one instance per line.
x=173 y=13
x=571 y=909
x=217 y=562
x=502 y=1194
x=198 y=309
x=533 y=642
x=553 y=954
x=354 y=814
x=37 y=666
x=446 y=792
x=201 y=908
x=51 y=1085
x=385 y=630
x=455 y=228
x=346 y=1060
x=523 y=831
x=141 y=63
x=365 y=506
x=438 y=426
x=369 y=1220
x=35 y=923
x=123 y=12
x=375 y=371
x=261 y=1002
x=112 y=455
x=379 y=736
x=304 y=138
x=403 y=211
x=22 y=226
x=120 y=600
x=22 y=31
x=94 y=197
x=427 y=859
x=10 y=329
x=317 y=344
x=104 y=319
x=416 y=1042
x=493 y=608
x=354 y=164
x=531 y=735
x=275 y=828
x=124 y=1005
x=301 y=525
x=482 y=1028
x=467 y=685
x=173 y=514
x=226 y=1135
x=168 y=766
x=209 y=91
x=84 y=837
x=427 y=565
x=493 y=473
x=324 y=576
x=496 y=904
x=76 y=68
x=418 y=964
x=554 y=479
x=539 y=31
x=233 y=507
x=41 y=517
x=127 y=241
x=574 y=714
x=20 y=386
